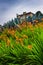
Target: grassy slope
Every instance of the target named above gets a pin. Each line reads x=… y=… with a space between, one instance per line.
x=23 y=47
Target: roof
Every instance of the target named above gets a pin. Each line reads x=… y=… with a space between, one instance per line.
x=24 y=13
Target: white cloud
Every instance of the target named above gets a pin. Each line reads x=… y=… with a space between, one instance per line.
x=12 y=11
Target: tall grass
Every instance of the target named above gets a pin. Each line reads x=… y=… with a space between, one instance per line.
x=24 y=48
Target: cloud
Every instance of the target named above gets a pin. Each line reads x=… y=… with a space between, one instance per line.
x=9 y=11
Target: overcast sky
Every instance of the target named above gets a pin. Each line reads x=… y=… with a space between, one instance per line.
x=9 y=8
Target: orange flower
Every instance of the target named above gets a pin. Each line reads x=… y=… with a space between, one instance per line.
x=20 y=39
x=8 y=42
x=30 y=46
x=36 y=26
x=25 y=36
x=41 y=18
x=17 y=38
x=17 y=42
x=11 y=32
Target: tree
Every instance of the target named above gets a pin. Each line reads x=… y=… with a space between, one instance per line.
x=38 y=14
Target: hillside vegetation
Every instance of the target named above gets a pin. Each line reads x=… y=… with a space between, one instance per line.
x=23 y=46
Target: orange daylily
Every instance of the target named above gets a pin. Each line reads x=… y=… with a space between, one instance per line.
x=25 y=36
x=17 y=38
x=20 y=39
x=30 y=46
x=8 y=42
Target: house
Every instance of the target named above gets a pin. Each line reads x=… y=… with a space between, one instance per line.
x=24 y=16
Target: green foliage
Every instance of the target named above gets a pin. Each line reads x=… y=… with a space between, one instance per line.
x=22 y=55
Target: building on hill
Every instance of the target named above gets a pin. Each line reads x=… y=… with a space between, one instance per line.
x=24 y=16
x=30 y=17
